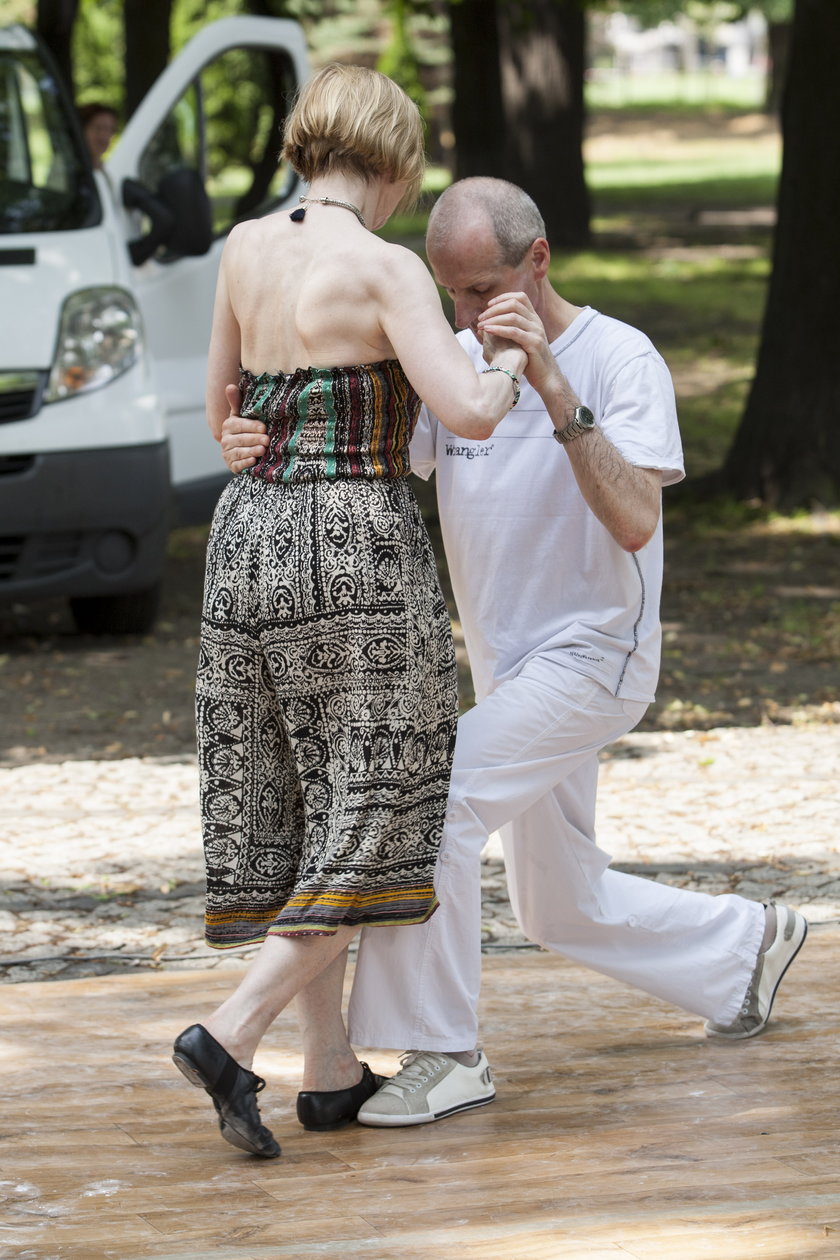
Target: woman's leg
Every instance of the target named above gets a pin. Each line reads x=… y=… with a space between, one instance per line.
x=329 y=1061
x=217 y=1055
x=284 y=966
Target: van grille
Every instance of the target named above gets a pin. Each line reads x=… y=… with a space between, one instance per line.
x=12 y=465
x=20 y=394
x=39 y=555
x=17 y=406
x=11 y=550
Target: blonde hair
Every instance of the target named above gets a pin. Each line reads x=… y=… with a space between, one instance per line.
x=357 y=121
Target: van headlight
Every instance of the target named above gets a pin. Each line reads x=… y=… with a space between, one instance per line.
x=99 y=338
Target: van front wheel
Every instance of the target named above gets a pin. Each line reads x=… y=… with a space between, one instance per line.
x=117 y=614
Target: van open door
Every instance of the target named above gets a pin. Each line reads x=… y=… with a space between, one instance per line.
x=199 y=155
x=110 y=278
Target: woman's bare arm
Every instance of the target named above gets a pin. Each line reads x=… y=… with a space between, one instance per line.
x=224 y=355
x=469 y=404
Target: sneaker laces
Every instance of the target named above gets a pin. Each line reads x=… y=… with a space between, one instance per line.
x=417 y=1067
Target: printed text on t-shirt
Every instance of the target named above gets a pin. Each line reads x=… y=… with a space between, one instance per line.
x=469 y=452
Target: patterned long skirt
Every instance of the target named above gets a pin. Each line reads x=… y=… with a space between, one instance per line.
x=326 y=710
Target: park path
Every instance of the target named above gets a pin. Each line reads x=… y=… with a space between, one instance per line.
x=102 y=867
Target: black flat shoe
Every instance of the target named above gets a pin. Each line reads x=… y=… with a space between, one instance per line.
x=320 y=1110
x=233 y=1089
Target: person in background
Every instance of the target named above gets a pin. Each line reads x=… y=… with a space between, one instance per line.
x=99 y=124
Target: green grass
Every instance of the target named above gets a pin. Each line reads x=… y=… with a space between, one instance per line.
x=713 y=169
x=688 y=93
x=690 y=306
x=720 y=159
x=665 y=185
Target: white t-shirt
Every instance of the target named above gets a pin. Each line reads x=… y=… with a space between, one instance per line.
x=533 y=570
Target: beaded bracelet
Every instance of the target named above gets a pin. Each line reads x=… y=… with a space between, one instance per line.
x=517 y=393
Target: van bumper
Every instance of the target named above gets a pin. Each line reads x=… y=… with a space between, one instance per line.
x=195 y=501
x=80 y=523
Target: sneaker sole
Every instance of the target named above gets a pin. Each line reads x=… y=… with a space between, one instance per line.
x=428 y=1117
x=745 y=1036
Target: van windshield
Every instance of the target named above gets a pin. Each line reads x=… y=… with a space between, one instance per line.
x=45 y=181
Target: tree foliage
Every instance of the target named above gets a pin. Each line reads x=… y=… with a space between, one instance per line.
x=399 y=58
x=98 y=52
x=652 y=12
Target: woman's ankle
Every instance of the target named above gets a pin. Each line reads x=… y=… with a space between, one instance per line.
x=239 y=1046
x=326 y=1073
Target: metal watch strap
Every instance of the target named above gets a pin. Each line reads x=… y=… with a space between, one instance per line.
x=582 y=421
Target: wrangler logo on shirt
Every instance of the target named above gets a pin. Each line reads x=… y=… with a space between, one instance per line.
x=468 y=452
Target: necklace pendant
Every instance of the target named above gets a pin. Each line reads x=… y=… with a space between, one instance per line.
x=297 y=215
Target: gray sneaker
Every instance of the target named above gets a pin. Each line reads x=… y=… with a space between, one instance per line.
x=428 y=1087
x=770 y=967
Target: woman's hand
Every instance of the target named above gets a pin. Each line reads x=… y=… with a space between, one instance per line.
x=243 y=441
x=504 y=353
x=511 y=319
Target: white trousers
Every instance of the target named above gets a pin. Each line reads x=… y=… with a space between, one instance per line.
x=526 y=764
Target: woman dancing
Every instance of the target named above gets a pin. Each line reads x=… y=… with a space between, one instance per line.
x=326 y=693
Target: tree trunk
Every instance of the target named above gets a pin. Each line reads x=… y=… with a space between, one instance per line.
x=55 y=27
x=787 y=448
x=147 y=47
x=477 y=117
x=778 y=47
x=542 y=60
x=518 y=109
x=268 y=8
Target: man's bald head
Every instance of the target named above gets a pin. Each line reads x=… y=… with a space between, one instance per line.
x=491 y=205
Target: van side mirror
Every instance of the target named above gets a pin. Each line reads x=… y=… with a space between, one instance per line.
x=183 y=193
x=179 y=212
x=136 y=196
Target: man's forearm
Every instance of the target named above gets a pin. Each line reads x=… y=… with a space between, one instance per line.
x=624 y=497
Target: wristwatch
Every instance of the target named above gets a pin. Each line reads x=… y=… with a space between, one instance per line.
x=582 y=422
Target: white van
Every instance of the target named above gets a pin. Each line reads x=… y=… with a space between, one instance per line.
x=106 y=293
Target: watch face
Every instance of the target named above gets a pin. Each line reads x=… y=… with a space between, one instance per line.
x=584 y=417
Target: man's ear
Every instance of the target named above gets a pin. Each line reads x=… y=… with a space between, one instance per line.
x=540 y=257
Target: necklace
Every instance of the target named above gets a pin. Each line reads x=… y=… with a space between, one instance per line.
x=297 y=215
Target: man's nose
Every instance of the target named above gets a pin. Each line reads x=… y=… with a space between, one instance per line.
x=466 y=311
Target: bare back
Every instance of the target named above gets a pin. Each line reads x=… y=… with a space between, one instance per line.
x=306 y=294
x=327 y=293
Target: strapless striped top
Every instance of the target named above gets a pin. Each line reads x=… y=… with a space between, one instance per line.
x=329 y=423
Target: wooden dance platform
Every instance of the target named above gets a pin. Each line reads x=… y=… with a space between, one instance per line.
x=619 y=1131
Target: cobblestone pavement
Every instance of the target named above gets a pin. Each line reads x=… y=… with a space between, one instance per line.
x=102 y=867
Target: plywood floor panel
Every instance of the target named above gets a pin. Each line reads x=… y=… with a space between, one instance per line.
x=619 y=1131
